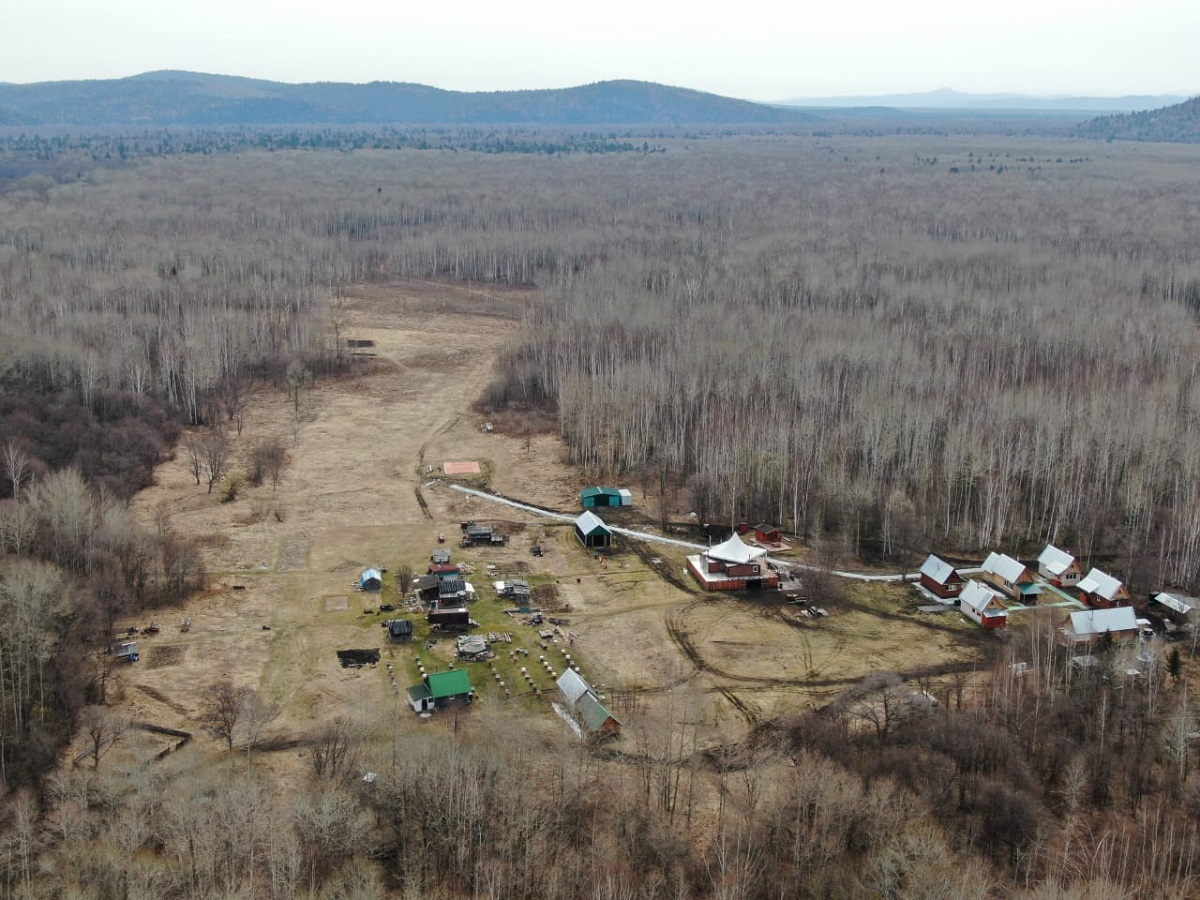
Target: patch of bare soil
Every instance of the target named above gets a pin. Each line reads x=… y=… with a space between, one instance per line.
x=363 y=488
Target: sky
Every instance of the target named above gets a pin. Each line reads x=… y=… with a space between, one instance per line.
x=752 y=49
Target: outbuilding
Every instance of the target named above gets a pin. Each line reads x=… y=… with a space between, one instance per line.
x=767 y=534
x=940 y=578
x=595 y=717
x=440 y=689
x=1178 y=608
x=592 y=532
x=399 y=630
x=594 y=497
x=370 y=580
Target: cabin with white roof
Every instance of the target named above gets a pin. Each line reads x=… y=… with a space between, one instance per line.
x=1058 y=567
x=1102 y=591
x=982 y=605
x=940 y=578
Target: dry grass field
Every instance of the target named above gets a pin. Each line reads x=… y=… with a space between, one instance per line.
x=358 y=492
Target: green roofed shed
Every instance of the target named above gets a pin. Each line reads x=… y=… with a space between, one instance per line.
x=593 y=497
x=449 y=684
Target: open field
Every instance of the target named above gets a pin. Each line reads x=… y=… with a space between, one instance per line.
x=362 y=489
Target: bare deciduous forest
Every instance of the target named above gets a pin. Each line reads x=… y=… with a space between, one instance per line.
x=894 y=343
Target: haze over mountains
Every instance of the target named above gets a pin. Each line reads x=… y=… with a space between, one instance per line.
x=946 y=98
x=188 y=98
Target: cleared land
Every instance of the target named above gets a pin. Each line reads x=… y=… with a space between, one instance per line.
x=359 y=492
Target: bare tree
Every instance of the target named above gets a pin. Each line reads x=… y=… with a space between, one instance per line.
x=224 y=705
x=216 y=454
x=103 y=729
x=333 y=749
x=17 y=465
x=193 y=448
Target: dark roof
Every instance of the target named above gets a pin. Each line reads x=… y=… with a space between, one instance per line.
x=400 y=628
x=427 y=582
x=451 y=586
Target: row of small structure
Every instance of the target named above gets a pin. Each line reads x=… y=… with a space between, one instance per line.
x=1106 y=596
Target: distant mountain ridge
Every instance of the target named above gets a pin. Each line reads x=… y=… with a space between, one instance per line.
x=1179 y=124
x=946 y=98
x=195 y=99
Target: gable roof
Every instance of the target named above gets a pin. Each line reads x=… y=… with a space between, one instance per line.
x=1101 y=584
x=1100 y=621
x=977 y=596
x=449 y=684
x=1055 y=561
x=1006 y=567
x=735 y=550
x=400 y=628
x=593 y=712
x=599 y=492
x=370 y=575
x=572 y=685
x=937 y=569
x=590 y=523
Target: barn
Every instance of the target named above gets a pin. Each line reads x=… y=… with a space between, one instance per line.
x=370 y=580
x=592 y=532
x=1102 y=591
x=595 y=497
x=1058 y=567
x=733 y=565
x=440 y=689
x=940 y=578
x=597 y=721
x=982 y=605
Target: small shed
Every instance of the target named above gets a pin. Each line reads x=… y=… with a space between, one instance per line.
x=981 y=605
x=370 y=580
x=592 y=532
x=1058 y=567
x=767 y=534
x=440 y=557
x=427 y=587
x=473 y=647
x=399 y=630
x=440 y=689
x=597 y=721
x=626 y=496
x=444 y=570
x=593 y=497
x=1102 y=591
x=1179 y=609
x=940 y=578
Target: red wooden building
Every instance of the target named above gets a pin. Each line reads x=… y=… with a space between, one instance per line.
x=940 y=578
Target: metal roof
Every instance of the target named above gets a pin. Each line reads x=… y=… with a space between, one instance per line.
x=1006 y=567
x=735 y=550
x=599 y=492
x=1101 y=584
x=1055 y=561
x=1099 y=621
x=572 y=685
x=977 y=596
x=449 y=684
x=589 y=523
x=1181 y=605
x=937 y=569
x=594 y=713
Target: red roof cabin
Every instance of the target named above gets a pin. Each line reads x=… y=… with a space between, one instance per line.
x=940 y=578
x=767 y=534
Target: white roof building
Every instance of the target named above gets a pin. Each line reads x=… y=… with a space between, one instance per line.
x=1177 y=604
x=1089 y=623
x=1055 y=561
x=977 y=596
x=572 y=685
x=1101 y=584
x=1006 y=567
x=937 y=569
x=735 y=551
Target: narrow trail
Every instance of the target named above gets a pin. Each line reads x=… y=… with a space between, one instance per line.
x=675 y=542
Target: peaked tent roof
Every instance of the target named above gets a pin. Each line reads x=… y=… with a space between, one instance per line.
x=1101 y=583
x=590 y=523
x=1006 y=567
x=735 y=551
x=1056 y=561
x=937 y=569
x=977 y=596
x=1099 y=621
x=449 y=684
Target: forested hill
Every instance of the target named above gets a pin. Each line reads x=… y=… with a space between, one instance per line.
x=188 y=98
x=1179 y=123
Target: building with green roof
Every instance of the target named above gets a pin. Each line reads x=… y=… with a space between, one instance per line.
x=440 y=689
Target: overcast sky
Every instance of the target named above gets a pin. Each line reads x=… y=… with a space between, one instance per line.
x=753 y=49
